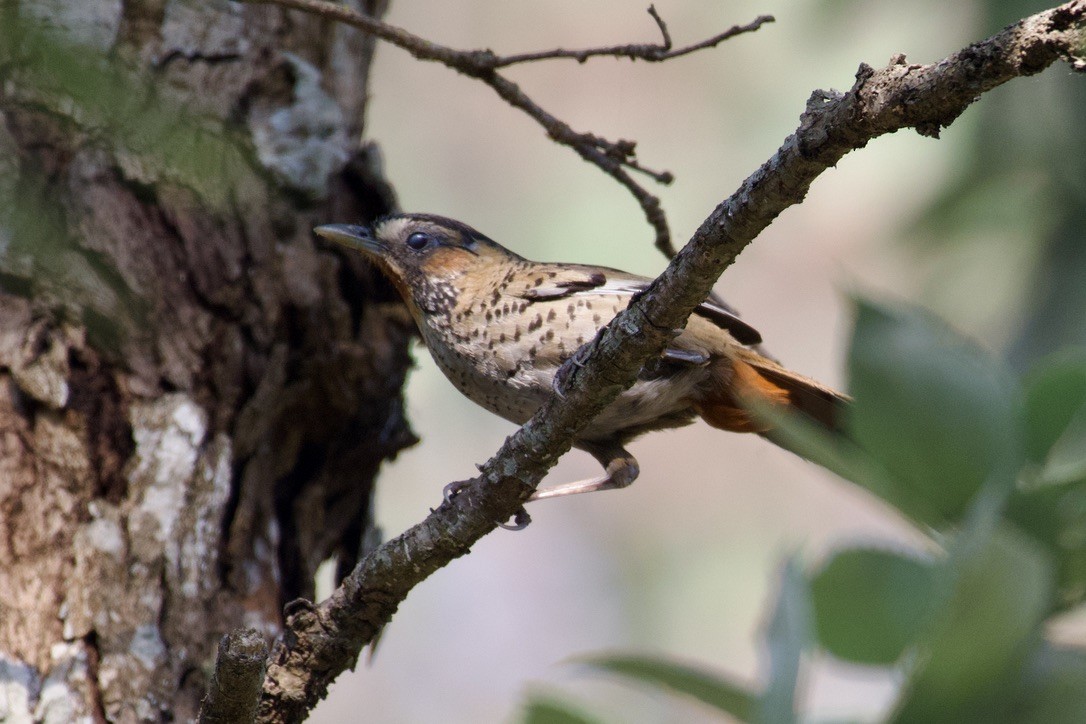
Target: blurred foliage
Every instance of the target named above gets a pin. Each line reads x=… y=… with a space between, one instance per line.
x=547 y=710
x=993 y=472
x=1019 y=193
x=705 y=686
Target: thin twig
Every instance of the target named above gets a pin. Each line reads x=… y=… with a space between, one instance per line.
x=322 y=640
x=663 y=27
x=612 y=157
x=645 y=51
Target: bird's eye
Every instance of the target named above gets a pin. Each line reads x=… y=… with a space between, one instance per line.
x=419 y=241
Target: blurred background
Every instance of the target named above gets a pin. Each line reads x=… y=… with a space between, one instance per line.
x=979 y=226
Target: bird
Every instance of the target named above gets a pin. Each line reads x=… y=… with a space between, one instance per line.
x=500 y=327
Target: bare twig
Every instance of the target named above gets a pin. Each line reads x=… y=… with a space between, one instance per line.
x=614 y=158
x=643 y=51
x=322 y=640
x=663 y=27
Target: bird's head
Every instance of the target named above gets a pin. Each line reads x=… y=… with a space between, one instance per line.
x=430 y=259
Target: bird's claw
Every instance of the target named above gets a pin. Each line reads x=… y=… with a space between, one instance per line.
x=451 y=490
x=556 y=383
x=578 y=360
x=521 y=519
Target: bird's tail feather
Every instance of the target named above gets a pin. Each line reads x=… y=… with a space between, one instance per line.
x=753 y=377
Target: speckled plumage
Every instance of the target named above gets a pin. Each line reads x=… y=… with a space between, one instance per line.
x=500 y=326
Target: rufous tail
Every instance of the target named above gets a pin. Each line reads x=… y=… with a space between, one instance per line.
x=751 y=376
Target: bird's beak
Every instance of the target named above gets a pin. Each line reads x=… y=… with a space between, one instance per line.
x=353 y=237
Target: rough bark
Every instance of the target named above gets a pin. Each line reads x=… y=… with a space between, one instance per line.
x=185 y=377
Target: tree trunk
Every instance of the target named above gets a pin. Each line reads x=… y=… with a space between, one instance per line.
x=194 y=396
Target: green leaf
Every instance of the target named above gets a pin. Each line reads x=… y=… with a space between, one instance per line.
x=1051 y=505
x=709 y=688
x=1053 y=687
x=1000 y=589
x=1066 y=460
x=937 y=413
x=1055 y=515
x=836 y=453
x=871 y=605
x=789 y=635
x=547 y=710
x=1055 y=397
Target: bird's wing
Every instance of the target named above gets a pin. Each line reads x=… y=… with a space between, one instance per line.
x=559 y=281
x=725 y=318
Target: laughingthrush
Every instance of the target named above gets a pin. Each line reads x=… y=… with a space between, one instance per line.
x=500 y=326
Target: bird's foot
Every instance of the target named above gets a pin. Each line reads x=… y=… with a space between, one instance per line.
x=451 y=490
x=620 y=469
x=521 y=519
x=568 y=369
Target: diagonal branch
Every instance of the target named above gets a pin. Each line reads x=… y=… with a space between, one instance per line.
x=322 y=640
x=615 y=158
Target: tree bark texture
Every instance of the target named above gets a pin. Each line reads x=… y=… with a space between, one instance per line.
x=194 y=397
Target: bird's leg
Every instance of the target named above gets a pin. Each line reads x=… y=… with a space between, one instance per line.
x=620 y=469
